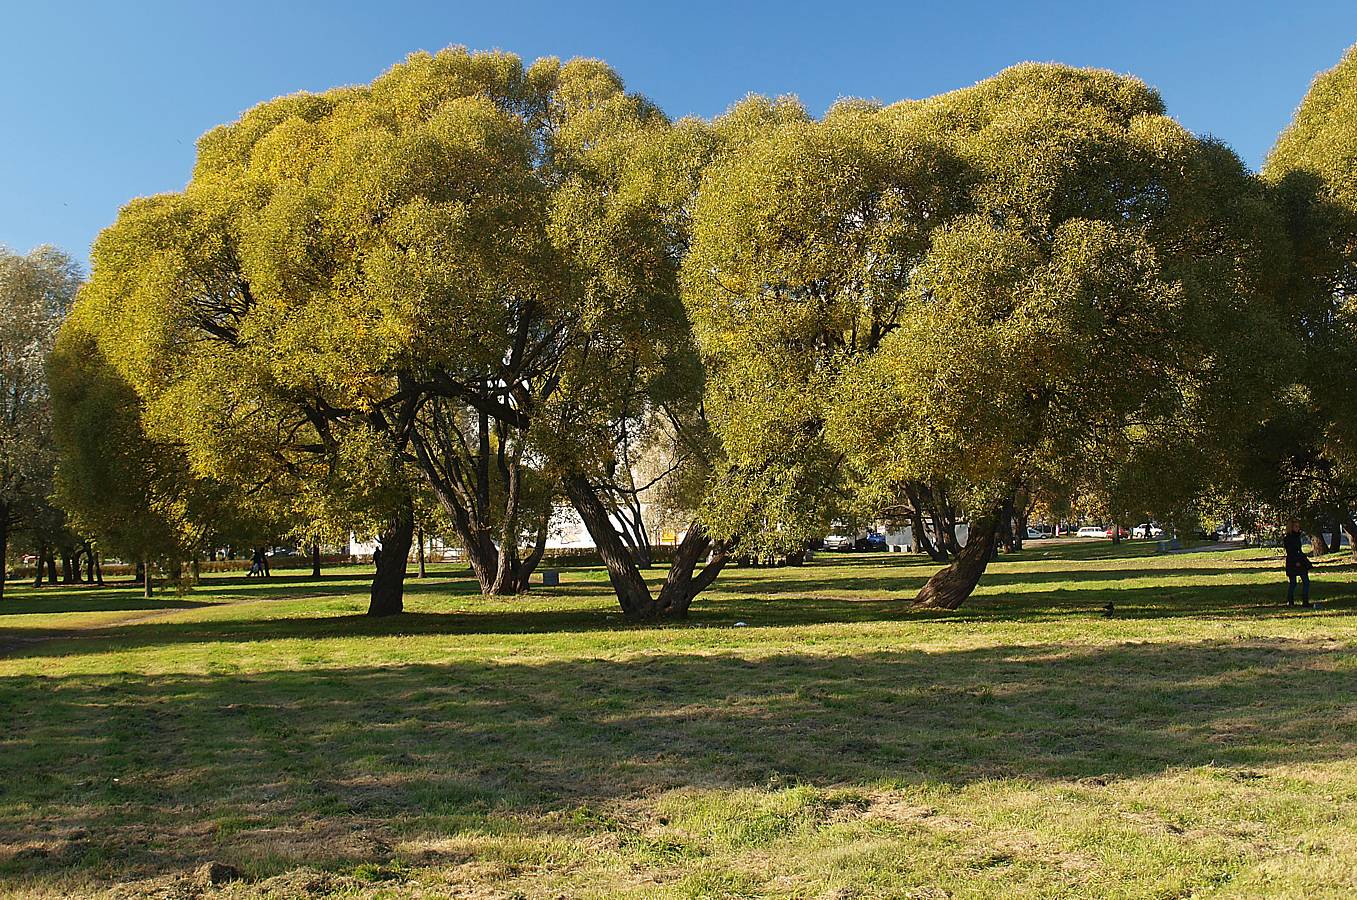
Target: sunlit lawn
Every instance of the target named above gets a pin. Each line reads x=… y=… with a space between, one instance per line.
x=1201 y=741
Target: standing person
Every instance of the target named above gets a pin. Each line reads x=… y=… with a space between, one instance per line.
x=256 y=564
x=1297 y=565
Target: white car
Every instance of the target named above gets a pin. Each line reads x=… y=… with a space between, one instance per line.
x=1144 y=531
x=838 y=542
x=1093 y=531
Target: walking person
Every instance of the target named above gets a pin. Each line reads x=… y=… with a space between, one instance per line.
x=256 y=564
x=1297 y=565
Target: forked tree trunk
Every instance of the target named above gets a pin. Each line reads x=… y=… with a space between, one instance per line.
x=388 y=584
x=539 y=548
x=683 y=582
x=949 y=587
x=630 y=587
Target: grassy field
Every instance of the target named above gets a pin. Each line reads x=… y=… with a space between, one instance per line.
x=804 y=735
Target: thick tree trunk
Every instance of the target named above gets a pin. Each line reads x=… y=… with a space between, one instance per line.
x=315 y=560
x=98 y=568
x=949 y=587
x=42 y=561
x=683 y=583
x=388 y=585
x=630 y=587
x=51 y=567
x=66 y=568
x=529 y=565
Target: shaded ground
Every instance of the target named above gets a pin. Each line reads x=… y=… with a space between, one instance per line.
x=1202 y=740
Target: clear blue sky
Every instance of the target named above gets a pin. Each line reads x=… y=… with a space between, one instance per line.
x=103 y=100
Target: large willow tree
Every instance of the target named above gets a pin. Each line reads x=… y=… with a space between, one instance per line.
x=465 y=270
x=1039 y=276
x=1303 y=460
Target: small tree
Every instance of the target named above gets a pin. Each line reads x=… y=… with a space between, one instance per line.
x=35 y=292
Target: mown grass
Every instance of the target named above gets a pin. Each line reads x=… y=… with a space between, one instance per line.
x=804 y=735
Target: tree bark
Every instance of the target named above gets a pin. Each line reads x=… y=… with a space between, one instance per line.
x=949 y=587
x=683 y=584
x=315 y=560
x=146 y=578
x=388 y=585
x=529 y=565
x=51 y=567
x=921 y=540
x=630 y=587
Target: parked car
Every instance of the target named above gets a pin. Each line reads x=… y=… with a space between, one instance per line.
x=839 y=542
x=1092 y=531
x=1035 y=534
x=1111 y=529
x=873 y=542
x=1147 y=530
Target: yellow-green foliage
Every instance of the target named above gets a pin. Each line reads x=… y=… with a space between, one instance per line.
x=1038 y=274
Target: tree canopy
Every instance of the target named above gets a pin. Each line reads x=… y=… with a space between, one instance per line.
x=1039 y=275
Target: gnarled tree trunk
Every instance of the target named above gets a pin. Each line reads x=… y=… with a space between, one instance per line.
x=626 y=579
x=388 y=585
x=683 y=582
x=949 y=587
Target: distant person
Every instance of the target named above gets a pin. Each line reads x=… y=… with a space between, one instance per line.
x=1297 y=565
x=256 y=564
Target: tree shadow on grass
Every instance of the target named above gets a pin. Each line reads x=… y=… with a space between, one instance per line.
x=592 y=610
x=433 y=748
x=94 y=599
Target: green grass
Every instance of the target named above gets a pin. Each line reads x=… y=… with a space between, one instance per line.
x=1200 y=742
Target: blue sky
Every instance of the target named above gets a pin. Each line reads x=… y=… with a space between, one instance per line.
x=103 y=100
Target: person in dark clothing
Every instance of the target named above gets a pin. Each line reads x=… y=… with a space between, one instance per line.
x=1297 y=565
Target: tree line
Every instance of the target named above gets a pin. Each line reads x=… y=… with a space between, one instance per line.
x=474 y=291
